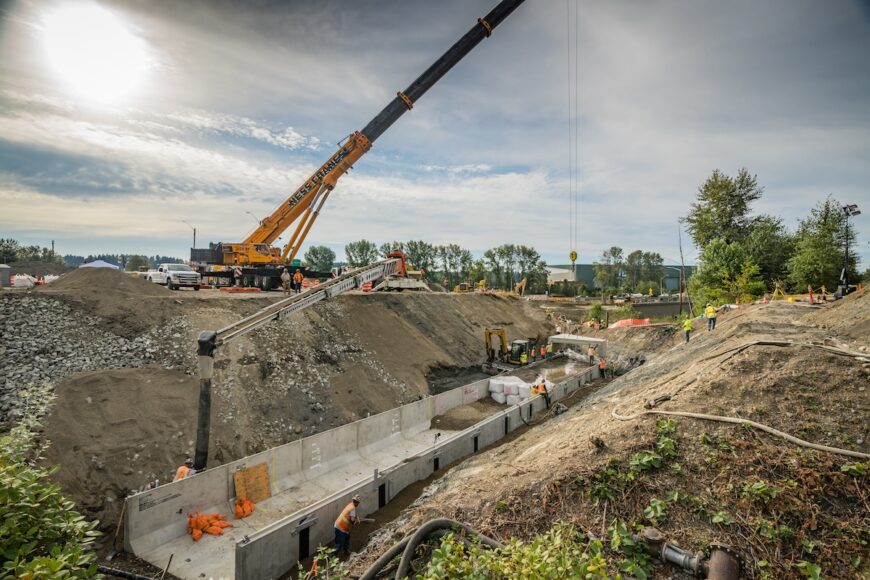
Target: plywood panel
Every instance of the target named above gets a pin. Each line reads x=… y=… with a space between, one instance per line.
x=253 y=483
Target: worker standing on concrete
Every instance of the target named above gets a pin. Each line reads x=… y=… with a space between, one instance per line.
x=602 y=366
x=185 y=470
x=346 y=519
x=687 y=326
x=285 y=281
x=710 y=313
x=590 y=352
x=297 y=281
x=237 y=275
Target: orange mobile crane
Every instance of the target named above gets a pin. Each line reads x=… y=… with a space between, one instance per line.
x=261 y=262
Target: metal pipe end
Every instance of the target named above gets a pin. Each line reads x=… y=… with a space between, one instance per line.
x=206 y=343
x=725 y=563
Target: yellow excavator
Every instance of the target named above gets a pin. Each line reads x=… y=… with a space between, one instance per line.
x=520 y=287
x=519 y=353
x=259 y=260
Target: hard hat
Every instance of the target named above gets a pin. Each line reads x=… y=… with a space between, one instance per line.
x=355 y=499
x=188 y=460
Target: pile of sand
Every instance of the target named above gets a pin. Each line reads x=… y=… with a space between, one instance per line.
x=127 y=305
x=848 y=317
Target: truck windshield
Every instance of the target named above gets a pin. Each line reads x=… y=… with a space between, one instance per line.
x=178 y=268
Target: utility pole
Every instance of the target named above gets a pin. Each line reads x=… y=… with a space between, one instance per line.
x=849 y=211
x=194 y=233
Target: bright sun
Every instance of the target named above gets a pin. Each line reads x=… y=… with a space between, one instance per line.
x=93 y=51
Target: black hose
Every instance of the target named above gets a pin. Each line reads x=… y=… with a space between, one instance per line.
x=122 y=573
x=428 y=528
x=379 y=564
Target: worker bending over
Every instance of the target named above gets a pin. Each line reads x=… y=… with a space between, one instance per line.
x=185 y=470
x=541 y=389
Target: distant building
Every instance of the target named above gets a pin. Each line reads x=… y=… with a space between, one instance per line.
x=585 y=274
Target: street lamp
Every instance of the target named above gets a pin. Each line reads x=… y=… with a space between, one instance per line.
x=850 y=210
x=256 y=219
x=194 y=232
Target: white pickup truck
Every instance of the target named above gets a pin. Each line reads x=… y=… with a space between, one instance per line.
x=174 y=276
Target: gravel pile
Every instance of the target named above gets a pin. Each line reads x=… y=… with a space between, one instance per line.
x=44 y=340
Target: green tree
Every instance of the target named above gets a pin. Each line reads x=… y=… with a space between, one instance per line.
x=865 y=277
x=421 y=254
x=361 y=253
x=725 y=274
x=770 y=246
x=722 y=209
x=320 y=258
x=633 y=268
x=653 y=267
x=609 y=269
x=495 y=267
x=8 y=250
x=135 y=262
x=819 y=246
x=42 y=535
x=388 y=247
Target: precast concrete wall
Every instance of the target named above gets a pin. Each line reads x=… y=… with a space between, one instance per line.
x=157 y=516
x=273 y=550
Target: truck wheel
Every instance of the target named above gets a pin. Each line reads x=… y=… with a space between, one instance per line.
x=195 y=288
x=169 y=285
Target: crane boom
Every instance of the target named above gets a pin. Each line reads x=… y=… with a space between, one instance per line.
x=305 y=203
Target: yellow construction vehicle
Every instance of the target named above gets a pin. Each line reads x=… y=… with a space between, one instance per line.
x=519 y=353
x=463 y=287
x=520 y=287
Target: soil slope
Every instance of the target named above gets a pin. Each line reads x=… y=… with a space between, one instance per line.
x=781 y=506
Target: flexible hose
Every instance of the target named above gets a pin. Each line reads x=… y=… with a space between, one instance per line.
x=428 y=528
x=738 y=421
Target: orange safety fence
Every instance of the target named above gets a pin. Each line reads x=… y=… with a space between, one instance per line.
x=629 y=322
x=199 y=524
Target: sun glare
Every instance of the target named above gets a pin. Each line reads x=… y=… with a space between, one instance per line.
x=94 y=53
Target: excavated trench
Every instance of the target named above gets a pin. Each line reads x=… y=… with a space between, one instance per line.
x=442 y=378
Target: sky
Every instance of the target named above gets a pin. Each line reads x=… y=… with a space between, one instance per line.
x=125 y=123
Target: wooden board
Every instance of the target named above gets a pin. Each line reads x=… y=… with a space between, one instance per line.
x=253 y=483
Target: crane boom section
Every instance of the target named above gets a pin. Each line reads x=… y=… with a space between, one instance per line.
x=256 y=247
x=327 y=175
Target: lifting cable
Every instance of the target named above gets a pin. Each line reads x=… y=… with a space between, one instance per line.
x=573 y=82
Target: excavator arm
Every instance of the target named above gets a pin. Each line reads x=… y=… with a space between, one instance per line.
x=306 y=202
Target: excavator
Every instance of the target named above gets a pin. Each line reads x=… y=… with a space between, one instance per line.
x=519 y=353
x=260 y=261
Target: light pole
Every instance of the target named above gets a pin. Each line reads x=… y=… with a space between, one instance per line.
x=680 y=270
x=194 y=232
x=256 y=219
x=849 y=211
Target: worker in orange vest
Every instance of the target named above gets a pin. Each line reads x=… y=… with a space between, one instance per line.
x=346 y=519
x=544 y=351
x=185 y=470
x=602 y=366
x=541 y=389
x=297 y=280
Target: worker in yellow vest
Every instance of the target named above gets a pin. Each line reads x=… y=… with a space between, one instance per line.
x=710 y=313
x=346 y=519
x=687 y=326
x=185 y=470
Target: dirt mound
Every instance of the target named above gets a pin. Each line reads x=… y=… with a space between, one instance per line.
x=848 y=317
x=114 y=430
x=38 y=268
x=776 y=503
x=127 y=305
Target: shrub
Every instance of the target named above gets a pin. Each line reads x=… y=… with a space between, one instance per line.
x=41 y=536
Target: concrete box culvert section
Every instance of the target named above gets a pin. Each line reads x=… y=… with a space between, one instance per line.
x=311 y=481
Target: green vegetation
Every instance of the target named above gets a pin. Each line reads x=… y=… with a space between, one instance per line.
x=11 y=251
x=41 y=535
x=744 y=256
x=320 y=258
x=501 y=267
